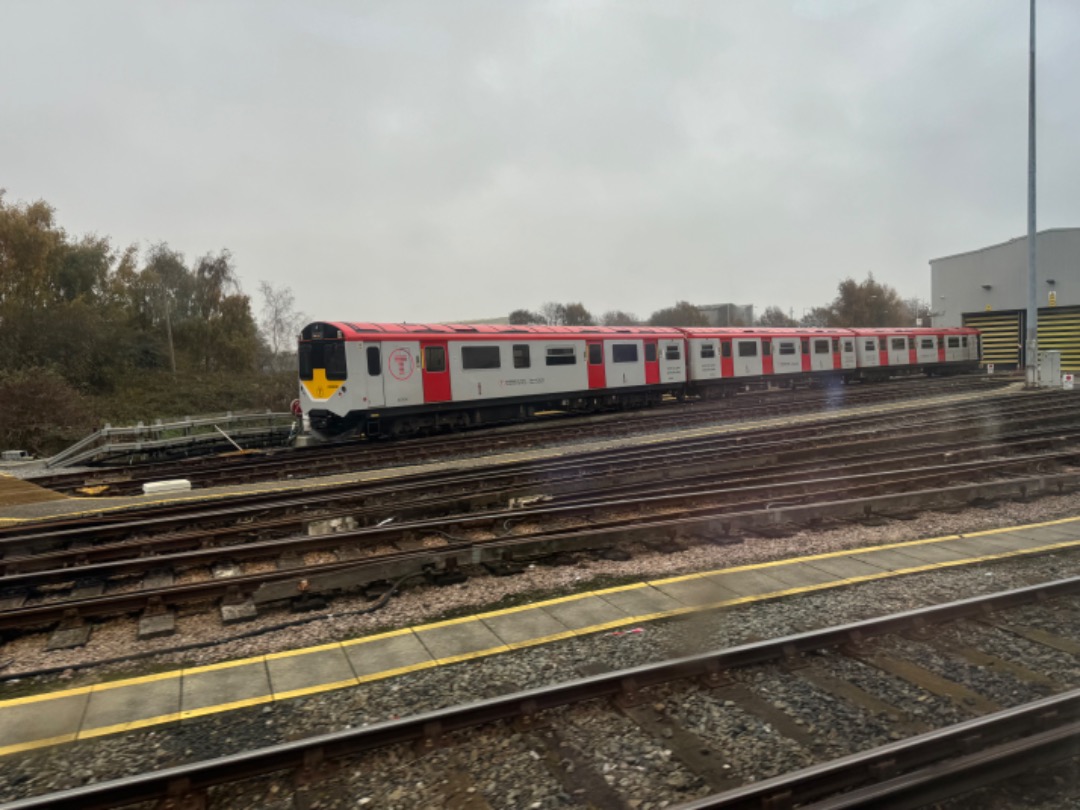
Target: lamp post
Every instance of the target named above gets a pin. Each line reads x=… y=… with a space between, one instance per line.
x=1031 y=360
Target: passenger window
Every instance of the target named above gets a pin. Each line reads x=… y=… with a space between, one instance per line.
x=708 y=350
x=927 y=343
x=596 y=354
x=650 y=352
x=476 y=357
x=374 y=363
x=821 y=346
x=672 y=353
x=624 y=353
x=521 y=355
x=336 y=368
x=747 y=348
x=561 y=356
x=899 y=344
x=434 y=359
x=786 y=348
x=870 y=345
x=963 y=341
x=849 y=345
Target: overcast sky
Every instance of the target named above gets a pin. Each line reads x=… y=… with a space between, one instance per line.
x=442 y=159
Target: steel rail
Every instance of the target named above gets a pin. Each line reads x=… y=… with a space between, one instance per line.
x=672 y=452
x=139 y=557
x=328 y=578
x=935 y=765
x=344 y=457
x=579 y=492
x=429 y=727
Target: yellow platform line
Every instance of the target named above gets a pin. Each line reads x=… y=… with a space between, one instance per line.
x=503 y=648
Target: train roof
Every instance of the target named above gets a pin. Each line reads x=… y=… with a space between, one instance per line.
x=782 y=331
x=350 y=330
x=916 y=330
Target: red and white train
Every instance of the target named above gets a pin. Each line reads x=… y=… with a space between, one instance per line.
x=400 y=379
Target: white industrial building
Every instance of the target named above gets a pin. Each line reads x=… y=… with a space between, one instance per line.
x=988 y=289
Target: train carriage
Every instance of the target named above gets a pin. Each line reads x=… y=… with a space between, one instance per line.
x=889 y=352
x=723 y=361
x=396 y=379
x=402 y=379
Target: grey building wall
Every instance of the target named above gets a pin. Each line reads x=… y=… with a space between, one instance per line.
x=996 y=276
x=728 y=314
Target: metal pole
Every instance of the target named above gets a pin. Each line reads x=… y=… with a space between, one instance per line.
x=1031 y=361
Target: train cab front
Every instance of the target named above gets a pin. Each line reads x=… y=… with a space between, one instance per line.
x=324 y=373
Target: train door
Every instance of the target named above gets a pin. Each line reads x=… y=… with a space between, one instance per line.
x=786 y=356
x=747 y=357
x=727 y=362
x=652 y=363
x=400 y=377
x=821 y=358
x=435 y=370
x=847 y=353
x=373 y=365
x=595 y=351
x=766 y=356
x=898 y=351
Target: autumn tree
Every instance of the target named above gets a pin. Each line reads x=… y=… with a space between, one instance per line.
x=524 y=317
x=577 y=315
x=776 y=317
x=682 y=314
x=867 y=303
x=616 y=317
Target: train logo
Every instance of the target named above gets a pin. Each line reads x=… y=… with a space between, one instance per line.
x=400 y=364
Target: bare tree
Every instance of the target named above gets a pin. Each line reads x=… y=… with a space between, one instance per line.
x=281 y=321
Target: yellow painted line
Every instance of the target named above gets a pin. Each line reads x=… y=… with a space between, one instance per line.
x=502 y=648
x=366 y=639
x=240 y=662
x=532 y=642
x=217 y=708
x=63 y=693
x=133 y=725
x=469 y=656
x=390 y=673
x=333 y=645
x=311 y=690
x=19 y=748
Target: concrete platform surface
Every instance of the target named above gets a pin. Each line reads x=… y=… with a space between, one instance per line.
x=54 y=718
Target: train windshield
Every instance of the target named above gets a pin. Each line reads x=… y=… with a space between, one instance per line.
x=326 y=355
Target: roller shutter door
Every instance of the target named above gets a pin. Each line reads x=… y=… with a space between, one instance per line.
x=1000 y=337
x=1059 y=330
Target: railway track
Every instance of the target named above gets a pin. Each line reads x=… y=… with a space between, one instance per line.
x=337 y=458
x=671 y=494
x=909 y=707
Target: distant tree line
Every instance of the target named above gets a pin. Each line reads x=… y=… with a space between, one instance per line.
x=866 y=303
x=80 y=317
